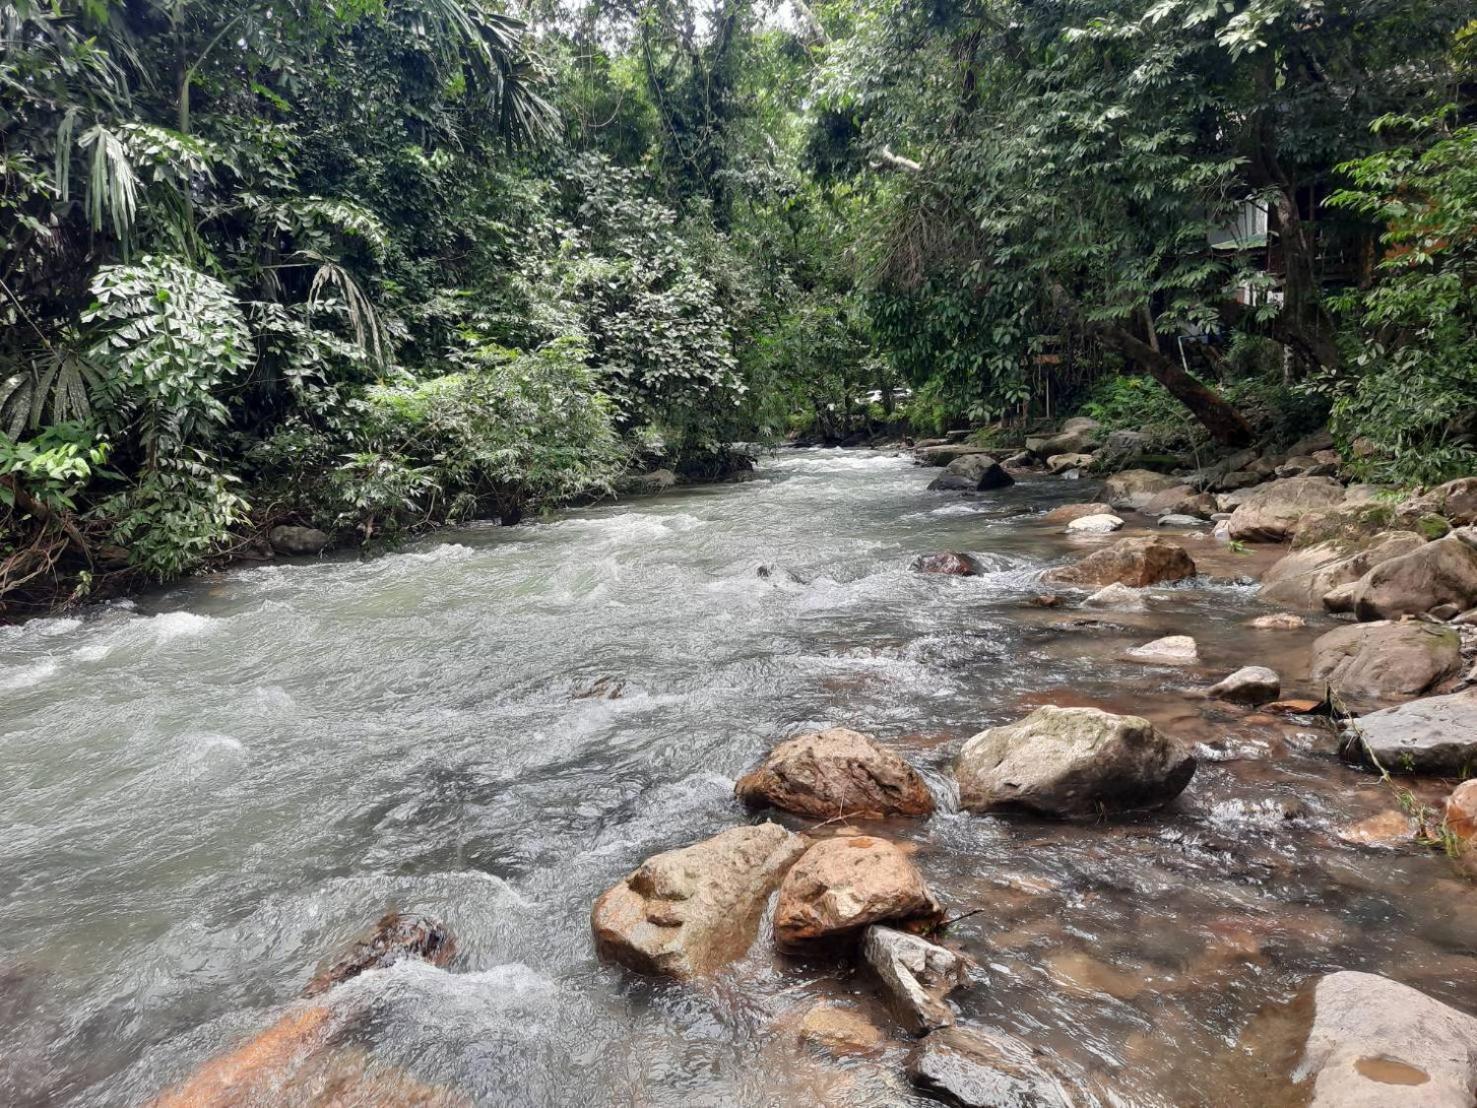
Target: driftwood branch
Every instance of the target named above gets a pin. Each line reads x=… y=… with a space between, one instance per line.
x=887 y=160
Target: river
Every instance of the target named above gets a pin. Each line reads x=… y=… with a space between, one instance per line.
x=206 y=792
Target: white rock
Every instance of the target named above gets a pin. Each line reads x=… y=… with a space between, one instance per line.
x=1175 y=650
x=1117 y=596
x=1094 y=525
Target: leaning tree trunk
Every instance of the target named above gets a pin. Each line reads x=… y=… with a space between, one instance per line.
x=1225 y=424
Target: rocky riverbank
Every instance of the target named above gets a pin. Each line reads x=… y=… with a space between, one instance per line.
x=1401 y=570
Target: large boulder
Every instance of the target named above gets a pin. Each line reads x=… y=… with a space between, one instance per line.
x=1080 y=440
x=1068 y=512
x=836 y=772
x=1456 y=501
x=916 y=976
x=1434 y=735
x=1072 y=762
x=1180 y=500
x=1271 y=512
x=1079 y=423
x=840 y=886
x=690 y=911
x=1118 y=448
x=1441 y=572
x=1304 y=576
x=972 y=473
x=950 y=563
x=946 y=454
x=1377 y=663
x=977 y=1069
x=1134 y=488
x=1136 y=562
x=1375 y=1043
x=298 y=541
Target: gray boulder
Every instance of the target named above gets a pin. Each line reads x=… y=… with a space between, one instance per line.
x=916 y=975
x=945 y=454
x=1303 y=577
x=972 y=473
x=1171 y=650
x=1271 y=512
x=1134 y=488
x=1072 y=761
x=298 y=541
x=1434 y=735
x=1118 y=448
x=977 y=1069
x=1380 y=663
x=1441 y=572
x=1251 y=685
x=1375 y=1043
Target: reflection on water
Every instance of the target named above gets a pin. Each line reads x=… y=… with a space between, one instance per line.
x=209 y=791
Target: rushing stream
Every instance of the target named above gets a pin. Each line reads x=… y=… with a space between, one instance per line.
x=205 y=793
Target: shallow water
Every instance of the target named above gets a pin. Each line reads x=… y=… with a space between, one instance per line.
x=206 y=793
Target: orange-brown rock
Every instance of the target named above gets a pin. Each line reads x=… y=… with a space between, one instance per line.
x=1068 y=512
x=836 y=772
x=839 y=886
x=1136 y=562
x=1461 y=811
x=840 y=1031
x=690 y=911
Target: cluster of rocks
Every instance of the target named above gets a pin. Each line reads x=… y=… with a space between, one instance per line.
x=841 y=894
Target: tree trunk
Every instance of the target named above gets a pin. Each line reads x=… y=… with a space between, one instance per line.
x=1225 y=424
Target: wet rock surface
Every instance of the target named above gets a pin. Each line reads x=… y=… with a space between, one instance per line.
x=1135 y=562
x=1376 y=1043
x=916 y=975
x=1072 y=762
x=972 y=473
x=841 y=885
x=1436 y=734
x=1379 y=663
x=395 y=937
x=691 y=910
x=950 y=563
x=836 y=773
x=979 y=1069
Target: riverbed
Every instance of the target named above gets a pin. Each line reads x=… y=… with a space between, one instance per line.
x=206 y=792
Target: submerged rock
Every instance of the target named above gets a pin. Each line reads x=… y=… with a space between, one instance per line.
x=1385 y=661
x=395 y=937
x=689 y=911
x=1136 y=562
x=298 y=541
x=1278 y=621
x=1094 y=525
x=1071 y=762
x=1435 y=735
x=1271 y=512
x=973 y=473
x=840 y=1031
x=1118 y=597
x=976 y=1069
x=1172 y=650
x=841 y=885
x=951 y=563
x=836 y=772
x=1376 y=1043
x=916 y=975
x=1251 y=685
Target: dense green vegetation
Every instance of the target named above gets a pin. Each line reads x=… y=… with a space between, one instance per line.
x=376 y=265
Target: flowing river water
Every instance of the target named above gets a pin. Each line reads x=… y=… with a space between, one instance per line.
x=207 y=792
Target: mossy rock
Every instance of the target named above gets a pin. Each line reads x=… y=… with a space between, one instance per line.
x=1346 y=528
x=1433 y=526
